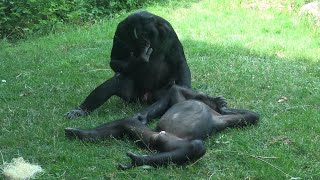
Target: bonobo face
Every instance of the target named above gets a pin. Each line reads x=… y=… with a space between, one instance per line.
x=143 y=28
x=147 y=33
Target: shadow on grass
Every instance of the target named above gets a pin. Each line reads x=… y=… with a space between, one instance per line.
x=247 y=79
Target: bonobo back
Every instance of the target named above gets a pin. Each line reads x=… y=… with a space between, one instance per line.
x=147 y=49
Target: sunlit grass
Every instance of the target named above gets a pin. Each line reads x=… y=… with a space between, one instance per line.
x=262 y=57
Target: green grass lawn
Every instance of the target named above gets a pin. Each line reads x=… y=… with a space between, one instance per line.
x=262 y=57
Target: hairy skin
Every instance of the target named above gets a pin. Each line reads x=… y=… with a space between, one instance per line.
x=147 y=58
x=187 y=118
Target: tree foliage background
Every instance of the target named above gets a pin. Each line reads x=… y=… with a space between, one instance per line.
x=19 y=18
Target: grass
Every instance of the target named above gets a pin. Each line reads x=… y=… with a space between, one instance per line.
x=263 y=59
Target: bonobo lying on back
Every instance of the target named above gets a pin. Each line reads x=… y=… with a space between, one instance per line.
x=187 y=118
x=147 y=58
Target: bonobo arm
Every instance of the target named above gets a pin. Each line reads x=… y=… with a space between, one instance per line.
x=121 y=57
x=187 y=152
x=120 y=53
x=183 y=75
x=175 y=95
x=155 y=110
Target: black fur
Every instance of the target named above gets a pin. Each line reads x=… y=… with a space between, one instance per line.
x=147 y=58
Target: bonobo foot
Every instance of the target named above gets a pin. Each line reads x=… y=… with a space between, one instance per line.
x=78 y=112
x=221 y=102
x=218 y=103
x=74 y=133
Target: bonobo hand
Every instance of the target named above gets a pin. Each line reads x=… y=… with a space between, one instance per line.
x=135 y=161
x=141 y=117
x=145 y=49
x=78 y=112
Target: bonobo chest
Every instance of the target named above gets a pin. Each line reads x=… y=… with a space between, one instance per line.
x=153 y=74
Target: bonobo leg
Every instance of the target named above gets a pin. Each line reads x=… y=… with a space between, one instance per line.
x=117 y=85
x=169 y=151
x=234 y=118
x=175 y=95
x=128 y=126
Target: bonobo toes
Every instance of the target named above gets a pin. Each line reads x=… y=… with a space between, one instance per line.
x=74 y=133
x=78 y=112
x=221 y=102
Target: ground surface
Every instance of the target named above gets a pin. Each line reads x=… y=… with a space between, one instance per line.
x=260 y=56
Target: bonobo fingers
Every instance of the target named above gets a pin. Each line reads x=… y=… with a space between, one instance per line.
x=145 y=50
x=134 y=162
x=141 y=117
x=150 y=50
x=78 y=112
x=132 y=156
x=146 y=54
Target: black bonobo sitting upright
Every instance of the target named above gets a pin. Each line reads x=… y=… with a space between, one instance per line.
x=187 y=118
x=147 y=58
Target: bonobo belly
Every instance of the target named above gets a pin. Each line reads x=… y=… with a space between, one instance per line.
x=188 y=119
x=153 y=75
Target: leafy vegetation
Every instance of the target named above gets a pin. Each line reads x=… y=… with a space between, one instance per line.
x=260 y=55
x=20 y=18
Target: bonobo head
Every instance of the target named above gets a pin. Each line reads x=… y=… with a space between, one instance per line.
x=146 y=27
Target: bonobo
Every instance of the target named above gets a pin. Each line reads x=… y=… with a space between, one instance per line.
x=187 y=119
x=147 y=58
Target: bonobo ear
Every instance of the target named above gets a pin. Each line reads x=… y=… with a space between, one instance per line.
x=163 y=29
